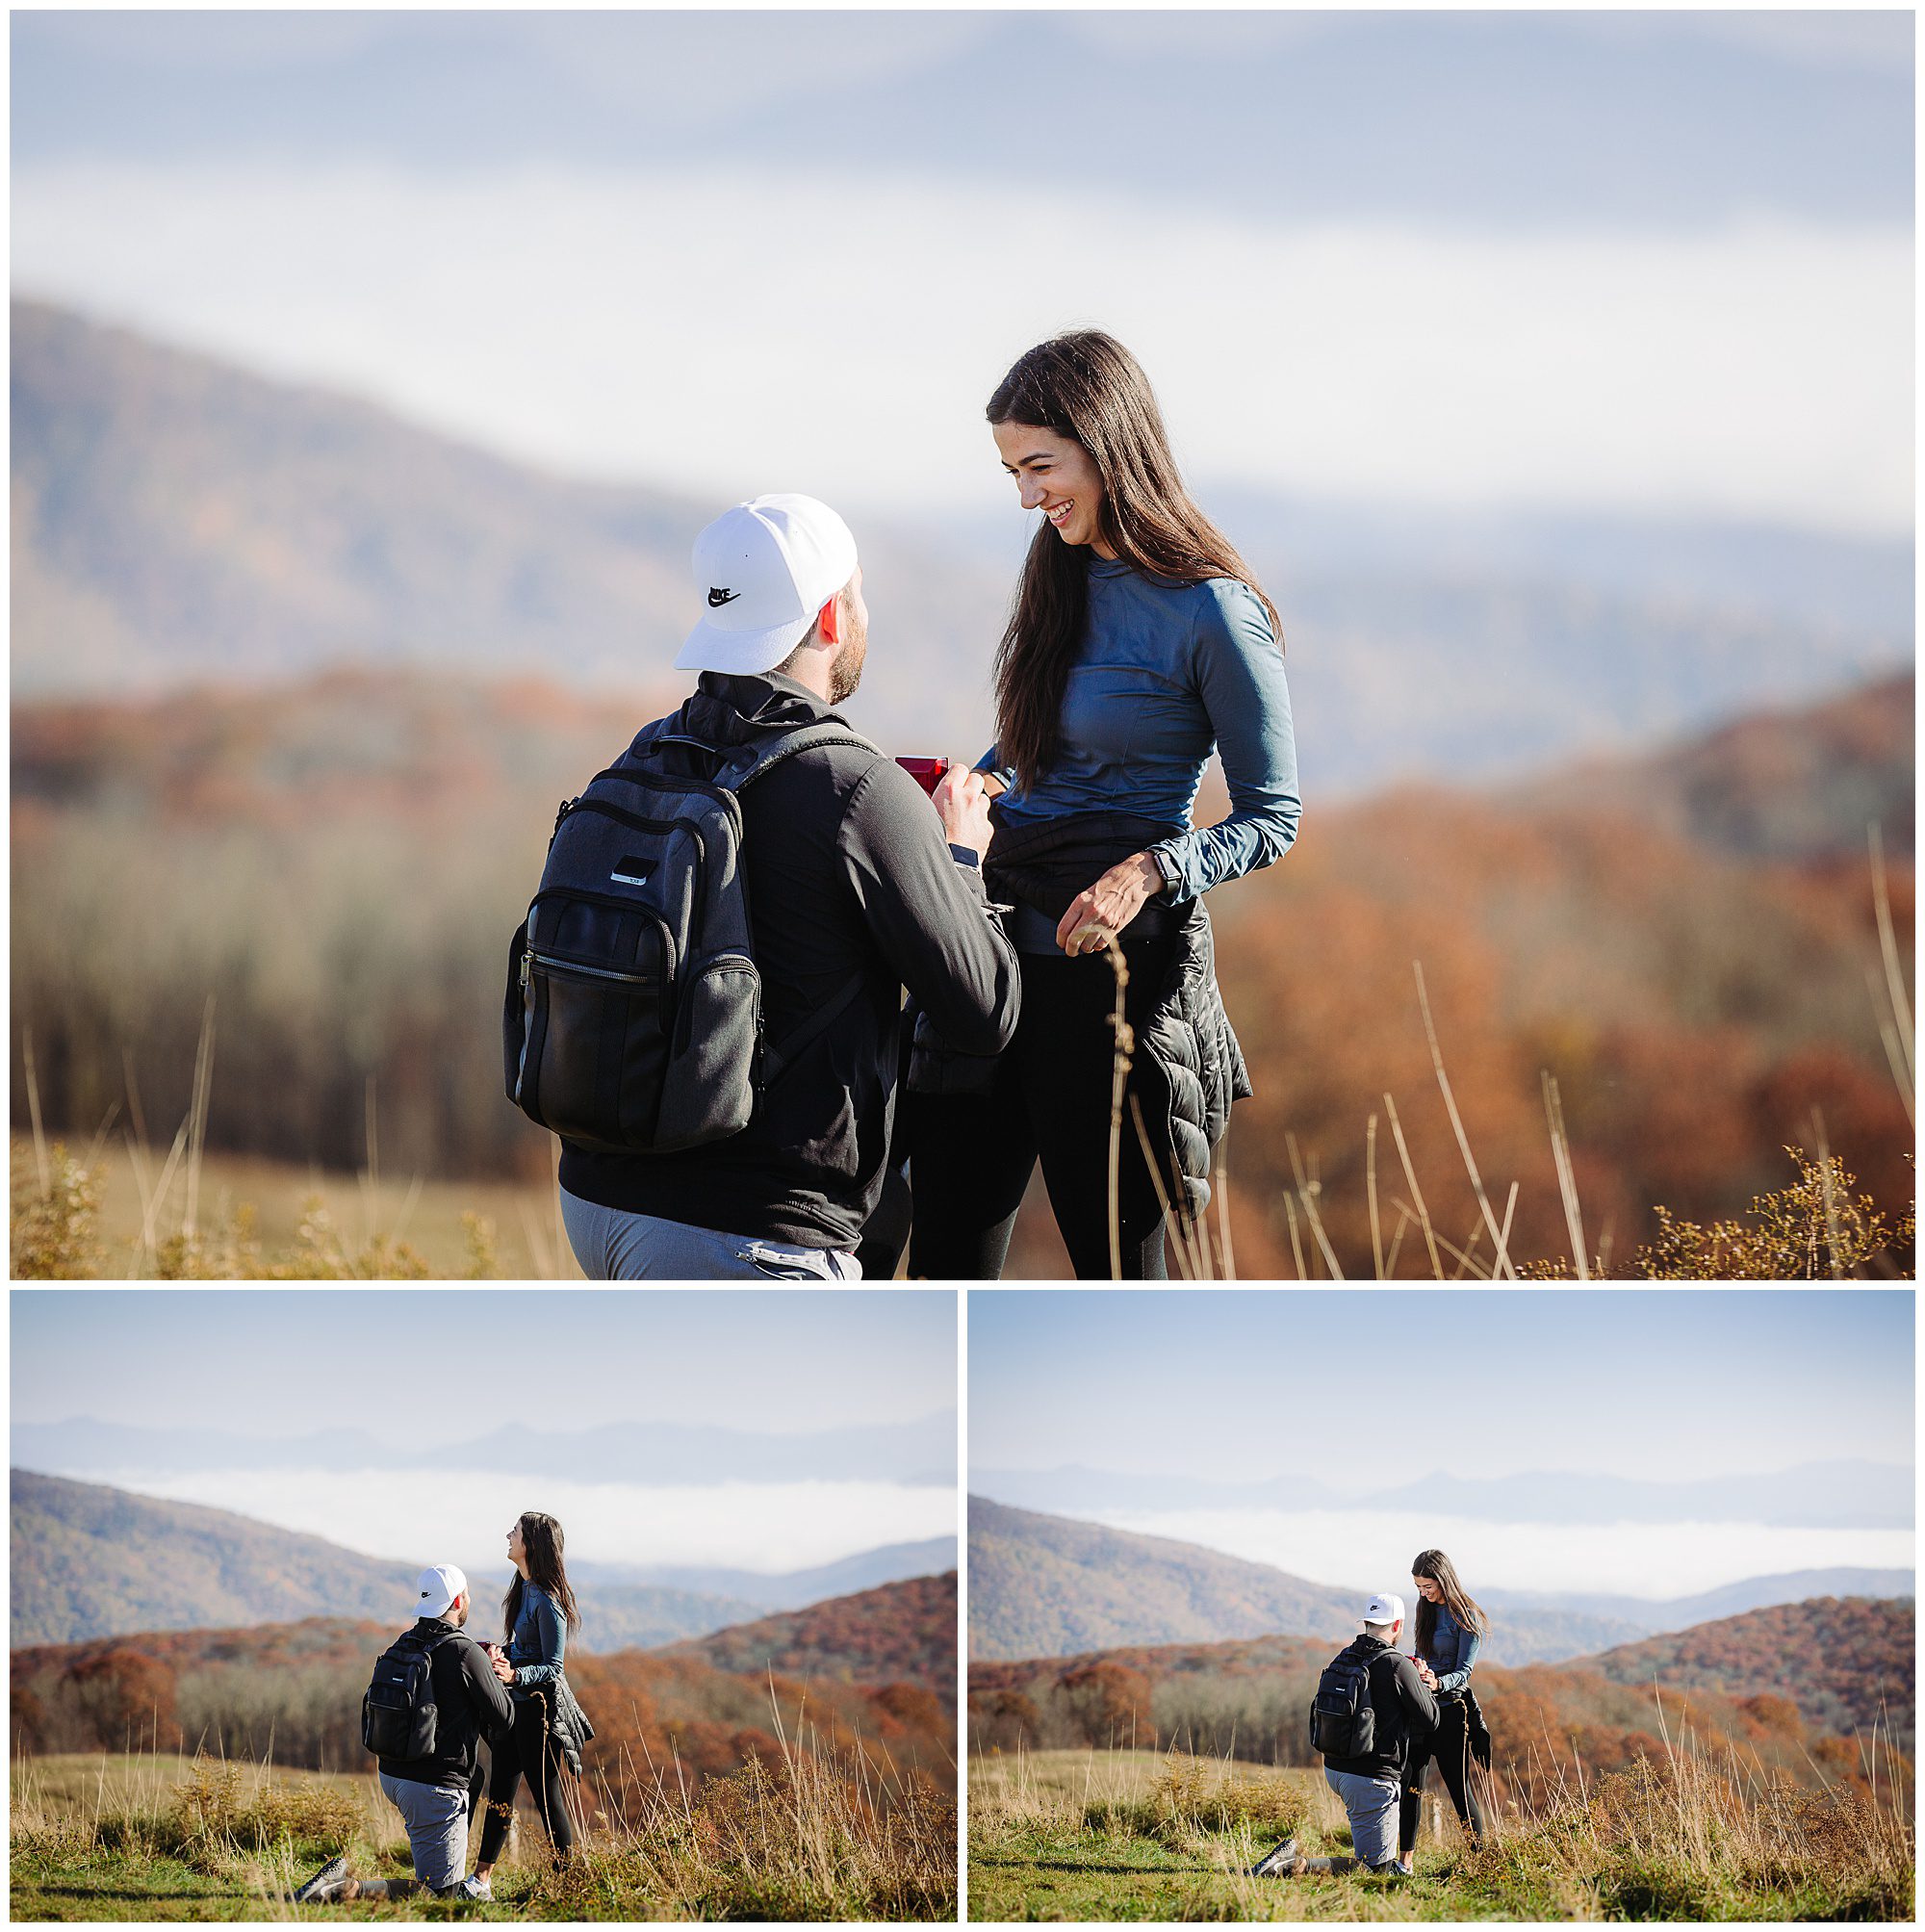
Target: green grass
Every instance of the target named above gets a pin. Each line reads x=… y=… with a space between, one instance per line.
x=1132 y=1836
x=131 y=1838
x=145 y=1838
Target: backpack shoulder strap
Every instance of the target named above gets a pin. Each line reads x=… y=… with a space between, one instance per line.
x=764 y=758
x=747 y=765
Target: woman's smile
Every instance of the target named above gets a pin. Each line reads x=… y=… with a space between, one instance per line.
x=1057 y=475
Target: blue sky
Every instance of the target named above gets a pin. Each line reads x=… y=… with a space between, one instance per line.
x=288 y=1361
x=1384 y=1388
x=1637 y=264
x=420 y=1369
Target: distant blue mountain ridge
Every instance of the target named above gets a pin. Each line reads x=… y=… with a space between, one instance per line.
x=917 y=1453
x=1464 y=648
x=1836 y=1495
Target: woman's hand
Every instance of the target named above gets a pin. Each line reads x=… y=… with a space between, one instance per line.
x=1096 y=916
x=503 y=1669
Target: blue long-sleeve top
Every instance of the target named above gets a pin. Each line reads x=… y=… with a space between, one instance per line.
x=539 y=1640
x=1454 y=1651
x=1167 y=673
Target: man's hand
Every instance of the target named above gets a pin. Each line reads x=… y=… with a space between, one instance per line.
x=963 y=804
x=1424 y=1671
x=1098 y=916
x=503 y=1669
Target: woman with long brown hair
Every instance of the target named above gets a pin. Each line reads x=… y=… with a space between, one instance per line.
x=1448 y=1628
x=538 y=1615
x=1139 y=643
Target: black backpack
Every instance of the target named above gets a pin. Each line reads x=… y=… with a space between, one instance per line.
x=397 y=1712
x=634 y=1015
x=1343 y=1721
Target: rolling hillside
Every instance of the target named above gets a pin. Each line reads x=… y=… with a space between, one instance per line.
x=88 y=1561
x=797 y=1589
x=900 y=1634
x=1728 y=1600
x=293 y=1692
x=1048 y=1585
x=1846 y=1662
x=1250 y=1700
x=1788 y=784
x=1680 y=940
x=179 y=521
x=1043 y=1585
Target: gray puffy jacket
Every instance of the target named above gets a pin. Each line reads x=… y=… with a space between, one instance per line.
x=1188 y=1068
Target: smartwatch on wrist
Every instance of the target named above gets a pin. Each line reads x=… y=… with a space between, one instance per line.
x=1166 y=865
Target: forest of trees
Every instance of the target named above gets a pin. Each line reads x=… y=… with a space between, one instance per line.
x=1848 y=1663
x=339 y=865
x=293 y=1692
x=1251 y=1699
x=899 y=1634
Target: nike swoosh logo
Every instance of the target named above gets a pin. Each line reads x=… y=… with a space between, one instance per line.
x=718 y=597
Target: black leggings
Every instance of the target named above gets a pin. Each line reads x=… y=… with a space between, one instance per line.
x=529 y=1752
x=1451 y=1745
x=971 y=1157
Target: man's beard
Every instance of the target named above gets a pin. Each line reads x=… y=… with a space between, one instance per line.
x=846 y=673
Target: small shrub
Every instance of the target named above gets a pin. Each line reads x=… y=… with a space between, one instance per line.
x=1192 y=1796
x=1803 y=1232
x=54 y=1230
x=216 y=1811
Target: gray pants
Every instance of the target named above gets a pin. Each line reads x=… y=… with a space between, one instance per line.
x=437 y=1822
x=615 y=1246
x=1372 y=1803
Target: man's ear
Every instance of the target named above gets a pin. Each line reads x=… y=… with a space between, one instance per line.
x=829 y=619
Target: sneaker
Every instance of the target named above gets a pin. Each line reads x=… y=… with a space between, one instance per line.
x=318 y=1890
x=1404 y=1868
x=1279 y=1863
x=473 y=1887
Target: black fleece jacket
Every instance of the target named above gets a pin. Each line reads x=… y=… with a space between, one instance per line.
x=1404 y=1707
x=847 y=872
x=470 y=1704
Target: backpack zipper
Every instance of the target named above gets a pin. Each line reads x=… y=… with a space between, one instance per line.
x=532 y=959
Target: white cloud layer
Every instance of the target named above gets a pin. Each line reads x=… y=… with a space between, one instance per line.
x=1367 y=1549
x=428 y=1514
x=723 y=334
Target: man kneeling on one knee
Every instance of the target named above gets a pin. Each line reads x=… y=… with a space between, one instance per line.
x=1372 y=1703
x=436 y=1793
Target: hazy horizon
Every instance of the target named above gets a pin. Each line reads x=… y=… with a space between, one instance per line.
x=1648 y=1385
x=555 y=235
x=287 y=1363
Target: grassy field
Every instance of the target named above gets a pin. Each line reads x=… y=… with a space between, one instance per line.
x=1131 y=1835
x=146 y=1838
x=516 y=1222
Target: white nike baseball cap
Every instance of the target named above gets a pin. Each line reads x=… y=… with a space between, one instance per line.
x=766 y=568
x=1385 y=1609
x=440 y=1586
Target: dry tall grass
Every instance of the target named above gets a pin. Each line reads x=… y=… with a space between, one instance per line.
x=183 y=1235
x=809 y=1834
x=1812 y=1228
x=1690 y=1834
